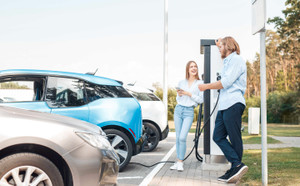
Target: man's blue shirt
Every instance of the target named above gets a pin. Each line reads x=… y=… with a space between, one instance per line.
x=234 y=81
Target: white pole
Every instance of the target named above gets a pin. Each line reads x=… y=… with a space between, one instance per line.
x=165 y=73
x=263 y=94
x=264 y=149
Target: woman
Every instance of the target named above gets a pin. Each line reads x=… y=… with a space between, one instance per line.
x=188 y=97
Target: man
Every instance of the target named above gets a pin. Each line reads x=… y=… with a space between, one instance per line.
x=231 y=107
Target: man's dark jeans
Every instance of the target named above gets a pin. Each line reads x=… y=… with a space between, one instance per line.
x=228 y=123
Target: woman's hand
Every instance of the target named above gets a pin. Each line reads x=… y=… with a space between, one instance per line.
x=182 y=92
x=179 y=92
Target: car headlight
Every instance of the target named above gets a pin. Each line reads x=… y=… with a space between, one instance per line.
x=94 y=139
x=102 y=133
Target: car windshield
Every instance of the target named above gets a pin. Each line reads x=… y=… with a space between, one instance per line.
x=142 y=96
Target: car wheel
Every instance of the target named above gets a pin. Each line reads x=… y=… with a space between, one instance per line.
x=29 y=169
x=152 y=137
x=121 y=143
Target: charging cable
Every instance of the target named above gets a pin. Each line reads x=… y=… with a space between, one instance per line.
x=196 y=139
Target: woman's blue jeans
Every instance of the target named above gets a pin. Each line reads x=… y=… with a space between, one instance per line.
x=183 y=119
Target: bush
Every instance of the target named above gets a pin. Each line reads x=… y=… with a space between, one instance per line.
x=282 y=107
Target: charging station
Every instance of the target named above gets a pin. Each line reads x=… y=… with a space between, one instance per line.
x=213 y=65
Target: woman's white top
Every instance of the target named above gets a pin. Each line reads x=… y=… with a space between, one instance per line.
x=197 y=95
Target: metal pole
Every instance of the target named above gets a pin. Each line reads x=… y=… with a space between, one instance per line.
x=165 y=73
x=264 y=152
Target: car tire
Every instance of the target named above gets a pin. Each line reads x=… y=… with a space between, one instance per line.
x=152 y=137
x=122 y=144
x=27 y=168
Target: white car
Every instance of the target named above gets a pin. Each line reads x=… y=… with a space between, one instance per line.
x=154 y=116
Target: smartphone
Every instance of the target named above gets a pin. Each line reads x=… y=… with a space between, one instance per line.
x=177 y=88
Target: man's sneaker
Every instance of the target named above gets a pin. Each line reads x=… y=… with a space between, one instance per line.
x=180 y=166
x=236 y=173
x=174 y=166
x=225 y=177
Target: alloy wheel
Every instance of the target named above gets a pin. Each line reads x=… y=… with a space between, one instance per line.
x=120 y=145
x=24 y=176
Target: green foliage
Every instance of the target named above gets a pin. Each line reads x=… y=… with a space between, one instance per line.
x=11 y=85
x=283 y=69
x=288 y=46
x=282 y=107
x=171 y=100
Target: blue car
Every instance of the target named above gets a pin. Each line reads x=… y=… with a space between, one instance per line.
x=97 y=100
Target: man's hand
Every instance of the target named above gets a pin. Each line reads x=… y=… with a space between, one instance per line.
x=215 y=85
x=202 y=87
x=218 y=42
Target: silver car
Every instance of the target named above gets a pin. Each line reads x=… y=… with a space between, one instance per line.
x=51 y=150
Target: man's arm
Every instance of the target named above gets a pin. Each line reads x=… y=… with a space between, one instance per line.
x=215 y=85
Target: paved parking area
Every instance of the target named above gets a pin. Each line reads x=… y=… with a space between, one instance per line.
x=162 y=175
x=193 y=173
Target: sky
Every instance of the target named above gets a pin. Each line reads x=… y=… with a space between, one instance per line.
x=123 y=39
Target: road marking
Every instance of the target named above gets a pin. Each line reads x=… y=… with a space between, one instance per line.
x=150 y=176
x=124 y=178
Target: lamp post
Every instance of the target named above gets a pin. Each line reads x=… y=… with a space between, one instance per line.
x=165 y=68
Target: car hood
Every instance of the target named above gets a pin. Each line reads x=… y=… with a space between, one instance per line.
x=11 y=112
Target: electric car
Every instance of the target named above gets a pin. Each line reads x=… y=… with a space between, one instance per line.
x=154 y=116
x=97 y=100
x=47 y=149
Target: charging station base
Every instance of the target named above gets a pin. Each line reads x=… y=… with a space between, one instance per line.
x=215 y=163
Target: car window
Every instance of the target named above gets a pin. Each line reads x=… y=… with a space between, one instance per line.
x=64 y=92
x=142 y=96
x=16 y=91
x=95 y=92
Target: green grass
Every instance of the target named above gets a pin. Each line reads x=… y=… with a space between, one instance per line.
x=283 y=167
x=272 y=129
x=283 y=130
x=255 y=139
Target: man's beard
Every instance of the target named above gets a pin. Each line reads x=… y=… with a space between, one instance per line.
x=223 y=54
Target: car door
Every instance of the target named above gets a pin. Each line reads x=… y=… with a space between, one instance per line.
x=65 y=96
x=24 y=92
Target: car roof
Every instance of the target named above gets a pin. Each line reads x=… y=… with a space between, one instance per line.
x=87 y=77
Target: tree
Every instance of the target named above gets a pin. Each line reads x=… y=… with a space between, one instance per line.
x=171 y=99
x=289 y=31
x=12 y=85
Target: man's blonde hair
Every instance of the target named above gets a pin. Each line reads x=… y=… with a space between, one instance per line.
x=231 y=45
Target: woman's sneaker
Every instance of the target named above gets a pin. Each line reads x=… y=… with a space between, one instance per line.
x=174 y=166
x=180 y=166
